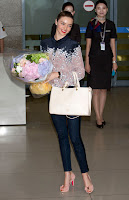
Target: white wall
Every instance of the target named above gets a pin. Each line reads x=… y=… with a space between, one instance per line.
x=11 y=17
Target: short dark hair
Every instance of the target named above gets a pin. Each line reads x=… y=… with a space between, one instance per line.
x=67 y=4
x=64 y=14
x=101 y=1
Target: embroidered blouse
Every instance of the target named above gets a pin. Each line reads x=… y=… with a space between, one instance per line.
x=66 y=57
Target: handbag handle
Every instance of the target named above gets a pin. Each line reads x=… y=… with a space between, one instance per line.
x=76 y=81
x=65 y=85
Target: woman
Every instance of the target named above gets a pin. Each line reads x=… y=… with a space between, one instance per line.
x=100 y=57
x=74 y=34
x=66 y=57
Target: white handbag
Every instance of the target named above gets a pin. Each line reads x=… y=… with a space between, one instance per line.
x=74 y=101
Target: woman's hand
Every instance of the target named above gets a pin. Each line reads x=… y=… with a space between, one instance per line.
x=52 y=76
x=87 y=68
x=115 y=66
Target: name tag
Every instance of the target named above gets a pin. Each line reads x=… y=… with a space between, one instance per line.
x=102 y=46
x=108 y=30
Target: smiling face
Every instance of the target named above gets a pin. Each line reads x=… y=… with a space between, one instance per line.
x=101 y=10
x=64 y=25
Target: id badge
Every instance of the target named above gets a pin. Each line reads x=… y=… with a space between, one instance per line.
x=102 y=46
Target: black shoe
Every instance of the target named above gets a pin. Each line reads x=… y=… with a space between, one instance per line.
x=104 y=123
x=99 y=125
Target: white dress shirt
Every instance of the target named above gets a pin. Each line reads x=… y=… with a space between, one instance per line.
x=3 y=34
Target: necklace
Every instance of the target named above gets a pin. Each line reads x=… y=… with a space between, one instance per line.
x=100 y=18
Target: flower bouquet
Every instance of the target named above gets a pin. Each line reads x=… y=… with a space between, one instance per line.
x=40 y=89
x=33 y=69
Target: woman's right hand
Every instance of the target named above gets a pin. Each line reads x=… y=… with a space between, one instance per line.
x=87 y=68
x=52 y=76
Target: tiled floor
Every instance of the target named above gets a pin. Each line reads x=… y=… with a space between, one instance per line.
x=30 y=162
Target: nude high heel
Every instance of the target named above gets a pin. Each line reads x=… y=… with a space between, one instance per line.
x=65 y=188
x=87 y=188
x=72 y=179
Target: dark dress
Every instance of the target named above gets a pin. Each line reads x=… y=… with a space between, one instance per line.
x=100 y=61
x=74 y=34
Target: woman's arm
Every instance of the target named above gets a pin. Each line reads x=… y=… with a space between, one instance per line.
x=1 y=45
x=52 y=76
x=112 y=43
x=88 y=46
x=77 y=64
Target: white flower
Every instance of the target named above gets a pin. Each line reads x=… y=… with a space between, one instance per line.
x=19 y=69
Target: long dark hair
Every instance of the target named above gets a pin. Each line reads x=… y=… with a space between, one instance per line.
x=64 y=14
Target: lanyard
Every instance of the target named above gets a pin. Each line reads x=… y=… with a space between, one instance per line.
x=102 y=34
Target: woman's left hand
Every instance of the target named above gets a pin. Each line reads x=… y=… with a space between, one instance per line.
x=52 y=76
x=115 y=66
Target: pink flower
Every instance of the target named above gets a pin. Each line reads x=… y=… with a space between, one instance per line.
x=23 y=62
x=41 y=60
x=28 y=62
x=13 y=70
x=30 y=71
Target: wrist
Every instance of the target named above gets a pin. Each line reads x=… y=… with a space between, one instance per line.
x=59 y=74
x=114 y=61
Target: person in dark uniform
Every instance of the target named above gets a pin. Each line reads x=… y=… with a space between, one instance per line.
x=66 y=57
x=100 y=57
x=74 y=34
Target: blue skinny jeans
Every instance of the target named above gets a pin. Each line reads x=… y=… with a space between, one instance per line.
x=65 y=126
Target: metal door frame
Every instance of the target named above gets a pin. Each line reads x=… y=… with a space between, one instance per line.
x=23 y=24
x=113 y=17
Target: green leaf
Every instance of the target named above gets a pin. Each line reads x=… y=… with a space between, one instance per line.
x=28 y=57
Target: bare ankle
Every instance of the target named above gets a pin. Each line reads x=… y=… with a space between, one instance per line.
x=85 y=174
x=67 y=173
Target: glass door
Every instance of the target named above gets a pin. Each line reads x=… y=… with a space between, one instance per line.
x=38 y=18
x=39 y=15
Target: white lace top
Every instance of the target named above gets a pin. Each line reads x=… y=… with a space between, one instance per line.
x=66 y=56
